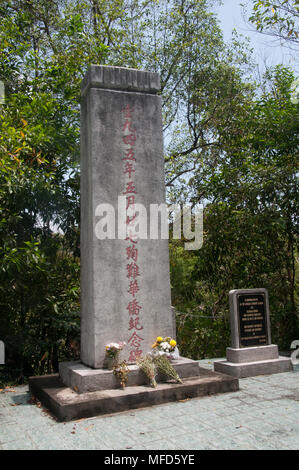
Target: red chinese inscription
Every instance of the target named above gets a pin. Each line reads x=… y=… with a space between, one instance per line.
x=129 y=137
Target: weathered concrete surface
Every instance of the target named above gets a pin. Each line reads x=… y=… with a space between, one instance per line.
x=119 y=78
x=254 y=368
x=84 y=379
x=107 y=92
x=258 y=353
x=67 y=405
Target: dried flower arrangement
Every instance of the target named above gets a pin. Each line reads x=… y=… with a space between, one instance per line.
x=146 y=364
x=121 y=371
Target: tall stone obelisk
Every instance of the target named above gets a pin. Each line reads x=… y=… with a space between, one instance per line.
x=125 y=286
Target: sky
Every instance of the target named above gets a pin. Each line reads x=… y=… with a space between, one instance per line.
x=267 y=50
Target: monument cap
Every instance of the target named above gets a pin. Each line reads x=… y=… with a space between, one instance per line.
x=119 y=78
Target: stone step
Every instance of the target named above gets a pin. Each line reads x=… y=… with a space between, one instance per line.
x=82 y=378
x=68 y=405
x=254 y=368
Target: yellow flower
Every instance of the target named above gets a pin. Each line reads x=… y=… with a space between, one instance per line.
x=172 y=343
x=159 y=339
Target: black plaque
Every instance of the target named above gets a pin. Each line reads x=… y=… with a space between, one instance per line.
x=252 y=320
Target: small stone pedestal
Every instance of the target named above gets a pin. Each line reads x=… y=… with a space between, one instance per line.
x=251 y=353
x=249 y=362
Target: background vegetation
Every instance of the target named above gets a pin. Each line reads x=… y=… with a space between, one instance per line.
x=231 y=143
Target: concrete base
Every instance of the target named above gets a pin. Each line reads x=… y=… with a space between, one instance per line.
x=66 y=404
x=251 y=369
x=83 y=379
x=253 y=354
x=248 y=362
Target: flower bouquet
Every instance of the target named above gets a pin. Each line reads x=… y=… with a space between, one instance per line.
x=147 y=365
x=112 y=354
x=121 y=371
x=165 y=346
x=164 y=366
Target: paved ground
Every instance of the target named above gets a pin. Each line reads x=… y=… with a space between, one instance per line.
x=264 y=414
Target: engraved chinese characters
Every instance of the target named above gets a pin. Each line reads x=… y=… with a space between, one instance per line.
x=133 y=270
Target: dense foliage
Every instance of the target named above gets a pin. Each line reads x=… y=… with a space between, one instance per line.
x=279 y=18
x=229 y=143
x=250 y=223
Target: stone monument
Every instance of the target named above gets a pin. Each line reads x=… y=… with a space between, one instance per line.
x=251 y=352
x=125 y=284
x=125 y=288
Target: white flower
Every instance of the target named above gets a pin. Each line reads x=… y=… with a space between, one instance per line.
x=117 y=346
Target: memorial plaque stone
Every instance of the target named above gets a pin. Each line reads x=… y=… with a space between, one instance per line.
x=251 y=352
x=252 y=320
